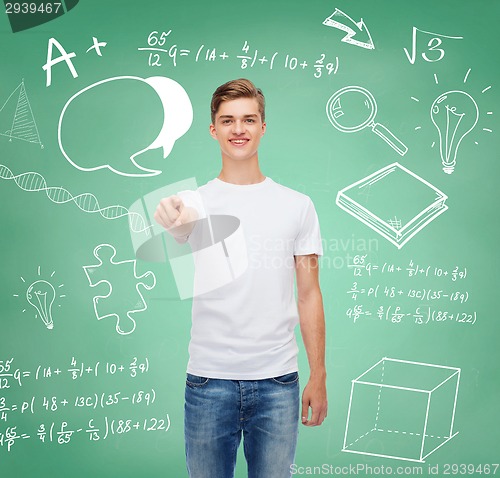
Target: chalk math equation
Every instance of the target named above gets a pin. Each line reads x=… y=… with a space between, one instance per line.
x=392 y=291
x=72 y=396
x=62 y=433
x=421 y=315
x=361 y=267
x=162 y=51
x=414 y=292
x=9 y=374
x=53 y=404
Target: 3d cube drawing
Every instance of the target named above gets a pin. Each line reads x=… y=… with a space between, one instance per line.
x=402 y=410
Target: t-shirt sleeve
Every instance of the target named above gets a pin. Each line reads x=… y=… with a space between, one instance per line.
x=308 y=240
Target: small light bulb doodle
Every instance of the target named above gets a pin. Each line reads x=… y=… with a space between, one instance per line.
x=41 y=295
x=454 y=114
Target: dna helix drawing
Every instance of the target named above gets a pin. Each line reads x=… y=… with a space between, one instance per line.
x=34 y=182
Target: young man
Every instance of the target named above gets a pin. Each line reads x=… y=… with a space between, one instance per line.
x=242 y=372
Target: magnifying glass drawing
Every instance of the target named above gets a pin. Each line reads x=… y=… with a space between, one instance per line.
x=354 y=108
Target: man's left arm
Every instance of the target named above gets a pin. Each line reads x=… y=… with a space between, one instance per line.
x=312 y=327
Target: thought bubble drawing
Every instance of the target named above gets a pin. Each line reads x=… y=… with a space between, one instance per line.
x=110 y=123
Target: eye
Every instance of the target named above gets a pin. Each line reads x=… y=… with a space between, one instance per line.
x=250 y=120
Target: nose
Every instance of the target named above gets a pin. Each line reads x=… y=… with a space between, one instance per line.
x=238 y=127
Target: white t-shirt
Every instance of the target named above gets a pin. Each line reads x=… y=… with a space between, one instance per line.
x=244 y=330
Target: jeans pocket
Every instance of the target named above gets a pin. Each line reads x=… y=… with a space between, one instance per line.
x=287 y=379
x=195 y=380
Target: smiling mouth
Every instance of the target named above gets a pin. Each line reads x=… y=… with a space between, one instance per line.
x=238 y=142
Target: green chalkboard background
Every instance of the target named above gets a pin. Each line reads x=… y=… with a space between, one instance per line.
x=46 y=238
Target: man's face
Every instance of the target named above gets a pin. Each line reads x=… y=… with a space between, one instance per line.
x=238 y=128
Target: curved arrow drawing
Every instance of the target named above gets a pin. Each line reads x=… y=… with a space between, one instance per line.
x=338 y=19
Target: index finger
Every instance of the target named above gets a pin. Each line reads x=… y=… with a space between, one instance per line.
x=176 y=202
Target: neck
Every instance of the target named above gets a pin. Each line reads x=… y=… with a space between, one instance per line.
x=241 y=172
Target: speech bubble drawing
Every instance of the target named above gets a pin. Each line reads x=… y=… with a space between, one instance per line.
x=132 y=115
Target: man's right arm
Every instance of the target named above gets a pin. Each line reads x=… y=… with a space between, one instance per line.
x=177 y=218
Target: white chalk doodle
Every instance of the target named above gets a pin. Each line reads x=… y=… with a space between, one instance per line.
x=434 y=52
x=394 y=202
x=177 y=119
x=23 y=125
x=454 y=114
x=354 y=108
x=453 y=124
x=41 y=295
x=172 y=53
x=97 y=45
x=338 y=19
x=117 y=304
x=87 y=202
x=402 y=409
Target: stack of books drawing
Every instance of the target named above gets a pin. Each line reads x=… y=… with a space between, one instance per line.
x=394 y=202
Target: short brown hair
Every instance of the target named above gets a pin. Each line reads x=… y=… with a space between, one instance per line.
x=234 y=89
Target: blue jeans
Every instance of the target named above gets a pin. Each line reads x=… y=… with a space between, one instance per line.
x=217 y=412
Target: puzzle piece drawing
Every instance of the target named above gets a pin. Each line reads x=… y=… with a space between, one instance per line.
x=116 y=276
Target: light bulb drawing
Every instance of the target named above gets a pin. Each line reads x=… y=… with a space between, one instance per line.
x=454 y=114
x=41 y=295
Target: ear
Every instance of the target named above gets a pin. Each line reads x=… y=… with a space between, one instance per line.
x=213 y=131
x=263 y=128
